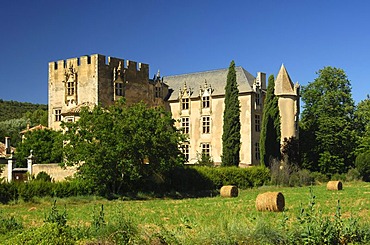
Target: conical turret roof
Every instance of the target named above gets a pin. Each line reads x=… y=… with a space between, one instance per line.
x=283 y=83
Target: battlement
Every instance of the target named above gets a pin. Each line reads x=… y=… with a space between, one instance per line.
x=100 y=61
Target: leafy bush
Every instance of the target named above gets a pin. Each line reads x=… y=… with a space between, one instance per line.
x=48 y=233
x=8 y=192
x=319 y=177
x=8 y=224
x=353 y=175
x=338 y=176
x=43 y=176
x=36 y=188
x=199 y=178
x=362 y=164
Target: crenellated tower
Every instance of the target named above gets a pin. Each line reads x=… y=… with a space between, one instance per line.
x=92 y=80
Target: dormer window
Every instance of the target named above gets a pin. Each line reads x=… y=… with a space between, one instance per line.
x=205 y=102
x=185 y=103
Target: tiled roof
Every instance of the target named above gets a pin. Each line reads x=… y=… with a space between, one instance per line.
x=215 y=78
x=2 y=150
x=38 y=127
x=77 y=109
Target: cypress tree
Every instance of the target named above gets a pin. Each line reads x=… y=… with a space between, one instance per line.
x=231 y=123
x=270 y=131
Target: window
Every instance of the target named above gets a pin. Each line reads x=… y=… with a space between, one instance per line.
x=257 y=150
x=206 y=149
x=205 y=102
x=185 y=103
x=57 y=115
x=119 y=89
x=185 y=151
x=257 y=122
x=206 y=122
x=258 y=102
x=185 y=124
x=158 y=92
x=70 y=88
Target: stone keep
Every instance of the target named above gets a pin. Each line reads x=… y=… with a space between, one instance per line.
x=91 y=80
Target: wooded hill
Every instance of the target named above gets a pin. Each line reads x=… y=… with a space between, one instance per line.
x=14 y=109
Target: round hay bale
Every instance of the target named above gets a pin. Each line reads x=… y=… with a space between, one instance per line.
x=229 y=191
x=334 y=186
x=270 y=201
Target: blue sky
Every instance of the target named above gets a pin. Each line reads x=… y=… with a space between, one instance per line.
x=179 y=37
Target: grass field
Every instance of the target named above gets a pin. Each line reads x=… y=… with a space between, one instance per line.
x=211 y=220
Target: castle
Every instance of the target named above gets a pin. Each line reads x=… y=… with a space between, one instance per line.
x=196 y=100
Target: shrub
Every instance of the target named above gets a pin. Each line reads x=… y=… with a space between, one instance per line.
x=319 y=177
x=8 y=224
x=8 y=192
x=300 y=178
x=35 y=188
x=338 y=176
x=353 y=175
x=362 y=164
x=43 y=176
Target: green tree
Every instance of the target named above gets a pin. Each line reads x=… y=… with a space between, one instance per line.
x=327 y=123
x=270 y=131
x=46 y=145
x=116 y=147
x=362 y=122
x=37 y=117
x=231 y=123
x=12 y=128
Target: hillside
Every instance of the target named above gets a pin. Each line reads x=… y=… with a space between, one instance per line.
x=14 y=109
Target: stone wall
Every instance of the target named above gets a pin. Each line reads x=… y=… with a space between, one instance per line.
x=53 y=169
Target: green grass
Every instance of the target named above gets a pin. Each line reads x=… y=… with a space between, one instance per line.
x=202 y=220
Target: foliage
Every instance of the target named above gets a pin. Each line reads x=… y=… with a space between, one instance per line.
x=204 y=160
x=46 y=146
x=241 y=177
x=43 y=176
x=8 y=191
x=12 y=128
x=363 y=165
x=353 y=175
x=309 y=218
x=37 y=117
x=287 y=174
x=15 y=110
x=290 y=151
x=312 y=227
x=54 y=216
x=270 y=130
x=231 y=123
x=9 y=224
x=113 y=146
x=327 y=123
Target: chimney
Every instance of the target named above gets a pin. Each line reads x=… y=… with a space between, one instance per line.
x=7 y=145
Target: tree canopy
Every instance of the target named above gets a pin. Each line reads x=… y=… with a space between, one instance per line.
x=270 y=130
x=231 y=121
x=46 y=144
x=116 y=146
x=327 y=123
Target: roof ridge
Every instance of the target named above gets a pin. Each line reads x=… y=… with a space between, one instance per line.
x=207 y=71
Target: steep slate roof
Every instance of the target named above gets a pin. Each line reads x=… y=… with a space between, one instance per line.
x=215 y=78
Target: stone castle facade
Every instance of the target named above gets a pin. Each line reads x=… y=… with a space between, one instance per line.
x=196 y=100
